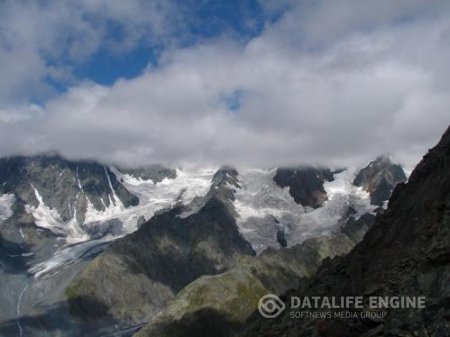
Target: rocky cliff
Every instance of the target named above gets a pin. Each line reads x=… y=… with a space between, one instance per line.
x=379 y=179
x=65 y=186
x=155 y=173
x=406 y=252
x=305 y=184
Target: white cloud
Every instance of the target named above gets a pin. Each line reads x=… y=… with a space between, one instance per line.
x=339 y=87
x=44 y=39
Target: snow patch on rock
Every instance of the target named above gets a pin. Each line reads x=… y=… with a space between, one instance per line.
x=6 y=203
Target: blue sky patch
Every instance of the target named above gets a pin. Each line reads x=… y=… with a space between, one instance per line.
x=202 y=20
x=106 y=68
x=233 y=100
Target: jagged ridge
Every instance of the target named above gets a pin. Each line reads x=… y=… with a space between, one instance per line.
x=63 y=185
x=406 y=252
x=163 y=256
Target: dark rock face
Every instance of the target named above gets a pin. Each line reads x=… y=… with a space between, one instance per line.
x=281 y=238
x=99 y=229
x=355 y=228
x=305 y=184
x=20 y=229
x=225 y=175
x=141 y=220
x=379 y=179
x=405 y=253
x=156 y=172
x=136 y=276
x=63 y=185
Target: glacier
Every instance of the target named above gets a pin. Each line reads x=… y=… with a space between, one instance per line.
x=265 y=209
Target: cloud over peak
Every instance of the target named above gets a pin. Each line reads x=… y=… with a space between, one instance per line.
x=335 y=83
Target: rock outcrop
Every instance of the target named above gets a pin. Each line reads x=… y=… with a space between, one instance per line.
x=356 y=228
x=305 y=184
x=379 y=179
x=155 y=173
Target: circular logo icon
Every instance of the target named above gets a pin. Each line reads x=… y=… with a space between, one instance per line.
x=270 y=306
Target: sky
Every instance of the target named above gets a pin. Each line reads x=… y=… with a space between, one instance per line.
x=242 y=82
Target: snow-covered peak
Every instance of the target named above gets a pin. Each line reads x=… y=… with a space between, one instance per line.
x=187 y=185
x=153 y=197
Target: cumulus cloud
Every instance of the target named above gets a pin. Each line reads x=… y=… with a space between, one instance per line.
x=336 y=83
x=44 y=40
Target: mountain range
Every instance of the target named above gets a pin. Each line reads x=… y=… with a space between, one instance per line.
x=406 y=252
x=90 y=249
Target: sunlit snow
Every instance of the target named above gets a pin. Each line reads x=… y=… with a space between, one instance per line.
x=265 y=209
x=188 y=184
